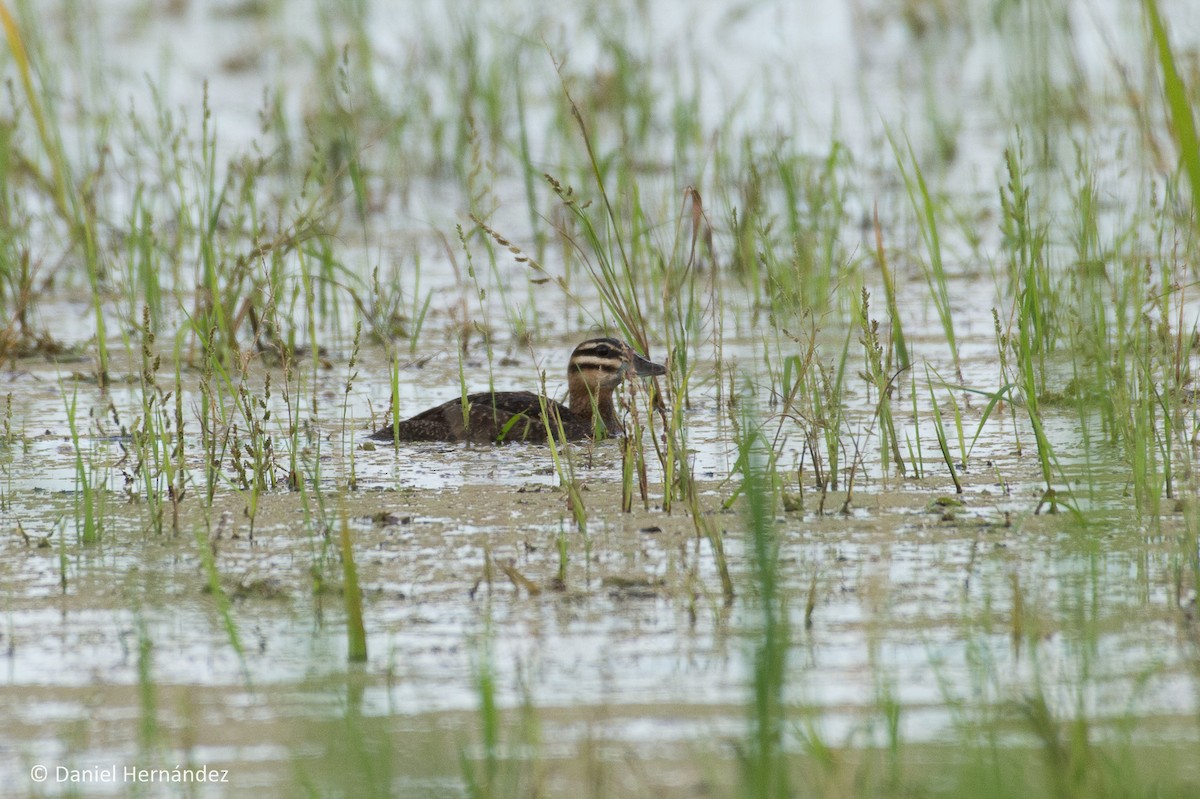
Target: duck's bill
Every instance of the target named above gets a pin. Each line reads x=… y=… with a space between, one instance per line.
x=644 y=368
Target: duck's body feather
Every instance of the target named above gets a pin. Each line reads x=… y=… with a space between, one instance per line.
x=596 y=368
x=497 y=417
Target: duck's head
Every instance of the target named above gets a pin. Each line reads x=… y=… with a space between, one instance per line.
x=599 y=365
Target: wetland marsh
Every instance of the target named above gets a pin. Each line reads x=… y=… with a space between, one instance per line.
x=913 y=511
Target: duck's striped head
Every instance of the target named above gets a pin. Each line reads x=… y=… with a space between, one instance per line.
x=602 y=363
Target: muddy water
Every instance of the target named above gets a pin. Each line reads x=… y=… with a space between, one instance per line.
x=117 y=653
x=615 y=658
x=951 y=609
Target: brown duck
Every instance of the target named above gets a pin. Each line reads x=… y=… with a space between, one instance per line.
x=596 y=368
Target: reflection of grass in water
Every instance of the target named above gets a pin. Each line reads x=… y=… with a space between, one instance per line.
x=765 y=767
x=504 y=762
x=355 y=629
x=208 y=542
x=89 y=488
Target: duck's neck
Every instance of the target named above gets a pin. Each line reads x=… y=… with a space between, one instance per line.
x=586 y=405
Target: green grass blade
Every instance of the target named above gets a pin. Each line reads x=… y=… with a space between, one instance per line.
x=1183 y=120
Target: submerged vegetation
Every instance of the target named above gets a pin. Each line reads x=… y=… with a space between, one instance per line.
x=918 y=490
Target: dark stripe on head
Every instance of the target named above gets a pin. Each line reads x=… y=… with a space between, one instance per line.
x=602 y=348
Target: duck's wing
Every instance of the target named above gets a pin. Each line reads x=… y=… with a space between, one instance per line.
x=505 y=416
x=490 y=417
x=440 y=423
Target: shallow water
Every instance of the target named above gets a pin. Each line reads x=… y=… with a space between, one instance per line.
x=637 y=651
x=931 y=622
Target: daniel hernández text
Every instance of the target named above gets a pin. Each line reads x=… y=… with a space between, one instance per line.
x=114 y=773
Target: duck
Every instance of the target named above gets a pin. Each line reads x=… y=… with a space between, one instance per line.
x=595 y=370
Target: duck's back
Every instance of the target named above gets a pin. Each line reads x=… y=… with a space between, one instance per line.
x=491 y=417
